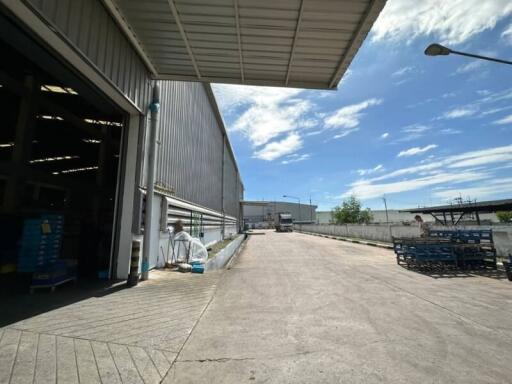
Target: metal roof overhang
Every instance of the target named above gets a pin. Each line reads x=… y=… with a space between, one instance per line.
x=482 y=207
x=285 y=43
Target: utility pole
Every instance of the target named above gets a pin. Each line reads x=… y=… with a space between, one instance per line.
x=386 y=207
x=310 y=210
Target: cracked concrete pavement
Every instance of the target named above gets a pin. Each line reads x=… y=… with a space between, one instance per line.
x=293 y=308
x=296 y=308
x=108 y=336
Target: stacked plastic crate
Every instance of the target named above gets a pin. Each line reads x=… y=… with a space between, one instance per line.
x=424 y=252
x=463 y=248
x=475 y=248
x=41 y=242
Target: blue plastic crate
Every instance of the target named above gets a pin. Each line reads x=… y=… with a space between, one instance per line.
x=197 y=268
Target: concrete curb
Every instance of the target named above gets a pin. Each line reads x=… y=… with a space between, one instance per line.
x=239 y=250
x=224 y=257
x=351 y=240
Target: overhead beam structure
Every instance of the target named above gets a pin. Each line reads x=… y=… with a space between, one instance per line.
x=284 y=43
x=183 y=34
x=294 y=45
x=239 y=40
x=460 y=210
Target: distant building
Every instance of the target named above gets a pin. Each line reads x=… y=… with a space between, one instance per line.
x=261 y=214
x=324 y=217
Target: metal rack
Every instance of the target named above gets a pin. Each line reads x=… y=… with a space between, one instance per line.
x=463 y=249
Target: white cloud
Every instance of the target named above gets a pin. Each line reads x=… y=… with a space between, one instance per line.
x=296 y=158
x=488 y=154
x=263 y=122
x=451 y=22
x=267 y=112
x=403 y=81
x=367 y=190
x=385 y=135
x=489 y=103
x=507 y=34
x=459 y=112
x=494 y=110
x=377 y=168
x=402 y=71
x=496 y=96
x=412 y=132
x=505 y=120
x=416 y=150
x=474 y=161
x=492 y=188
x=483 y=92
x=347 y=118
x=344 y=133
x=450 y=131
x=264 y=114
x=230 y=96
x=469 y=67
x=415 y=128
x=277 y=149
x=436 y=171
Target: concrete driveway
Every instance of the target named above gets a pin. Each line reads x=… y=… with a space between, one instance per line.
x=302 y=309
x=101 y=336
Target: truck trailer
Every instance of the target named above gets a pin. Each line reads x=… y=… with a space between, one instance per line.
x=284 y=222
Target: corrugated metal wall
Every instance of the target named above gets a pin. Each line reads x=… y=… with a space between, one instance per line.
x=91 y=29
x=231 y=184
x=190 y=156
x=191 y=149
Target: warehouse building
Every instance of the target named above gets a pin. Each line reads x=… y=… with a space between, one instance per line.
x=85 y=135
x=73 y=154
x=262 y=214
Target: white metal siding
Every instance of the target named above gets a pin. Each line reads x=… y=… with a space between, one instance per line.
x=91 y=30
x=231 y=185
x=191 y=140
x=190 y=154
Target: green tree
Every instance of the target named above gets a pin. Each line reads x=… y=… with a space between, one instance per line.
x=350 y=212
x=504 y=216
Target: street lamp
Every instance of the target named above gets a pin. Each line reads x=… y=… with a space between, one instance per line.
x=440 y=50
x=296 y=198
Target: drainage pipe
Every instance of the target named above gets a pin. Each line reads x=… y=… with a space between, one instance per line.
x=150 y=184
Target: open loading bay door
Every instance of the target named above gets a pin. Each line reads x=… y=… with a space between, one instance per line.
x=60 y=144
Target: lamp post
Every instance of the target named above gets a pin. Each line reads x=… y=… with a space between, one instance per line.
x=386 y=207
x=310 y=210
x=440 y=50
x=296 y=198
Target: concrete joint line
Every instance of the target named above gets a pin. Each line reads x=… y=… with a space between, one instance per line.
x=195 y=325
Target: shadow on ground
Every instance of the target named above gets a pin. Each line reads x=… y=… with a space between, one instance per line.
x=497 y=274
x=17 y=304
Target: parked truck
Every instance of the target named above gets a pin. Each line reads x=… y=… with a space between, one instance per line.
x=284 y=222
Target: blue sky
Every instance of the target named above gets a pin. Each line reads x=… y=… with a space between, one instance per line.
x=418 y=130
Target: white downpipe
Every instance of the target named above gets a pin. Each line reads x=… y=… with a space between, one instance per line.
x=150 y=186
